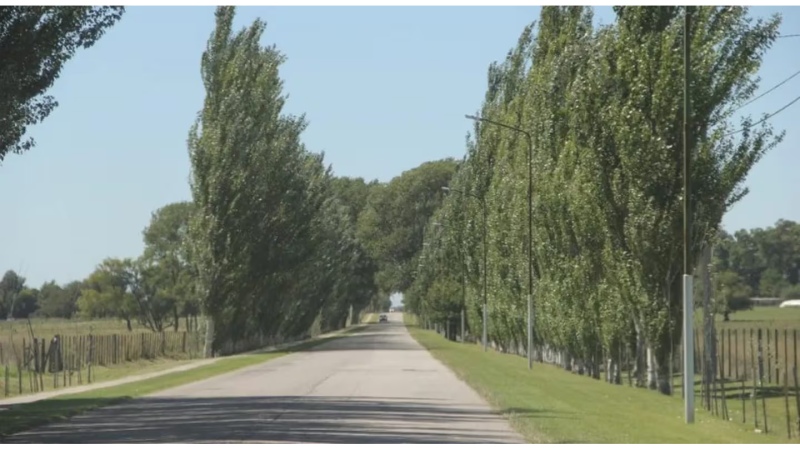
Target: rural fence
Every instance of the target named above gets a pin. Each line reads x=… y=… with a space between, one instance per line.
x=30 y=364
x=27 y=363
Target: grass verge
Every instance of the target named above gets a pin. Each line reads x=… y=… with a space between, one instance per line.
x=22 y=417
x=548 y=405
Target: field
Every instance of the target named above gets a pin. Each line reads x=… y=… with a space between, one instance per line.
x=68 y=327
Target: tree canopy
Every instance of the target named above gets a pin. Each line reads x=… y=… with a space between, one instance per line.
x=605 y=110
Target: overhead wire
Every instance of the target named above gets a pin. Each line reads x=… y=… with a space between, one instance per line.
x=769 y=116
x=770 y=90
x=767 y=92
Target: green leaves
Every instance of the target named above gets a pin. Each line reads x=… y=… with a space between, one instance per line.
x=604 y=108
x=35 y=43
x=272 y=236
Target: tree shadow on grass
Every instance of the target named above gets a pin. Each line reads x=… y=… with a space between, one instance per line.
x=306 y=419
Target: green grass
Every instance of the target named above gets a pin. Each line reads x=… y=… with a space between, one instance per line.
x=549 y=405
x=69 y=326
x=25 y=416
x=764 y=317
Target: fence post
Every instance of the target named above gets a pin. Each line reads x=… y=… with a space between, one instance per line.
x=19 y=377
x=769 y=357
x=91 y=359
x=736 y=344
x=728 y=347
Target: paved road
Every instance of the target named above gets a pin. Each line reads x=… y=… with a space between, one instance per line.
x=376 y=386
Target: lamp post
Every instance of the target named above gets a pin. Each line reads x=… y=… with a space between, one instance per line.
x=530 y=225
x=485 y=258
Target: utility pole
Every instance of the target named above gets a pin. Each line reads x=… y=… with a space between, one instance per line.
x=530 y=250
x=485 y=277
x=688 y=304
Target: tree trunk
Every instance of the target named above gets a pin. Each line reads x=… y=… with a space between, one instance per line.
x=652 y=372
x=596 y=364
x=658 y=372
x=177 y=318
x=128 y=323
x=712 y=332
x=208 y=350
x=639 y=364
x=662 y=374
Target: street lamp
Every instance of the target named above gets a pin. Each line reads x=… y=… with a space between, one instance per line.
x=530 y=225
x=485 y=258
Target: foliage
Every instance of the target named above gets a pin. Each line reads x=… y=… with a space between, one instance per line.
x=11 y=286
x=272 y=248
x=35 y=43
x=167 y=258
x=57 y=301
x=604 y=108
x=393 y=222
x=767 y=259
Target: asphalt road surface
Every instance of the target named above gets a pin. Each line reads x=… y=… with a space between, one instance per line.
x=375 y=386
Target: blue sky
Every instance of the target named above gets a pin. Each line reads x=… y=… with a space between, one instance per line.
x=384 y=89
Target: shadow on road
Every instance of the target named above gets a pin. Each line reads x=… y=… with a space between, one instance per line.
x=272 y=419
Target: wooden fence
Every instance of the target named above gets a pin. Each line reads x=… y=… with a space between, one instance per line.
x=741 y=350
x=74 y=359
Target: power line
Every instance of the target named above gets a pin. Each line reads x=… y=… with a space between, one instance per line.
x=788 y=35
x=766 y=118
x=772 y=89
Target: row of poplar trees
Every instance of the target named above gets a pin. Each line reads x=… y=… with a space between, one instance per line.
x=604 y=108
x=274 y=247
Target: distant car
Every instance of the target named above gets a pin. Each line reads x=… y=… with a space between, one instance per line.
x=383 y=318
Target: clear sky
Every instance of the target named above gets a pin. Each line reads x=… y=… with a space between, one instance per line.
x=384 y=89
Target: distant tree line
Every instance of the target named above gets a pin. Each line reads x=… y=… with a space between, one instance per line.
x=762 y=262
